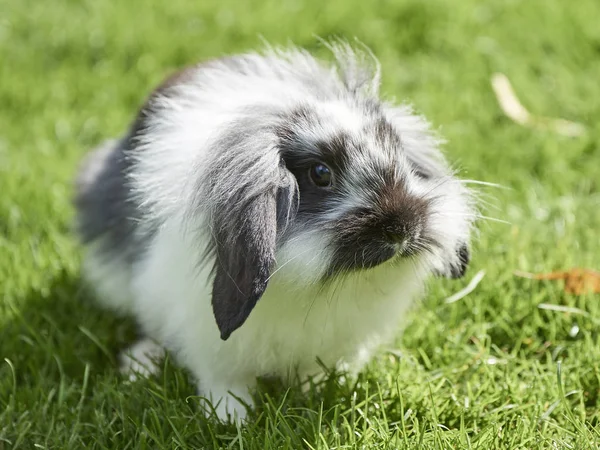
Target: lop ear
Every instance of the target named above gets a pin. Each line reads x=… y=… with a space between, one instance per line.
x=245 y=247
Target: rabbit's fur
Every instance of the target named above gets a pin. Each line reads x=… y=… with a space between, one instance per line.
x=206 y=224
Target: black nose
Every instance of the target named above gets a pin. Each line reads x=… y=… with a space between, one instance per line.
x=464 y=257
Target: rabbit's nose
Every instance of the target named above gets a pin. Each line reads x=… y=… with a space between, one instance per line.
x=403 y=231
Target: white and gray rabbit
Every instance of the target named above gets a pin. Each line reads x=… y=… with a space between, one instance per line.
x=266 y=211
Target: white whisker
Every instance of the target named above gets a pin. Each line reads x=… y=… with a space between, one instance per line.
x=471 y=215
x=491 y=219
x=484 y=183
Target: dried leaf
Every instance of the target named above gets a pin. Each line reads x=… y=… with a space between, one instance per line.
x=577 y=281
x=512 y=107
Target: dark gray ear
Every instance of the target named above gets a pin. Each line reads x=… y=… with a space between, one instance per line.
x=245 y=251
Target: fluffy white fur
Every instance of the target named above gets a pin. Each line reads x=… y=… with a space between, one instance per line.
x=296 y=321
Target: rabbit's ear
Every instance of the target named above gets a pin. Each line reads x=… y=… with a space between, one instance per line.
x=245 y=250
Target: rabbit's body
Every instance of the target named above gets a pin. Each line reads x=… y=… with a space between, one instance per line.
x=214 y=201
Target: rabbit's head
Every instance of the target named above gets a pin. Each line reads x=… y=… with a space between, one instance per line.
x=325 y=189
x=299 y=170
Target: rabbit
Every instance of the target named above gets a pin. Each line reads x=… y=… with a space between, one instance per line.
x=266 y=214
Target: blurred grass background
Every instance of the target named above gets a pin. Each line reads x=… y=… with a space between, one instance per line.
x=478 y=373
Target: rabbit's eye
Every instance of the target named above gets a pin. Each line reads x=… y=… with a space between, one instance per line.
x=321 y=175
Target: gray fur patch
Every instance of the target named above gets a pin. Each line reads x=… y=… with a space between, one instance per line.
x=103 y=205
x=105 y=208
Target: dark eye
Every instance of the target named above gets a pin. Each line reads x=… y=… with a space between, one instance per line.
x=320 y=175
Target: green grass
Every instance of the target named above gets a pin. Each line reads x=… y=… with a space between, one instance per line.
x=479 y=373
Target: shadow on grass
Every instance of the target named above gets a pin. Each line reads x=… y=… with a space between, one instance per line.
x=56 y=331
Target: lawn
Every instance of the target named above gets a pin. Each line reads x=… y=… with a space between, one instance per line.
x=492 y=370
